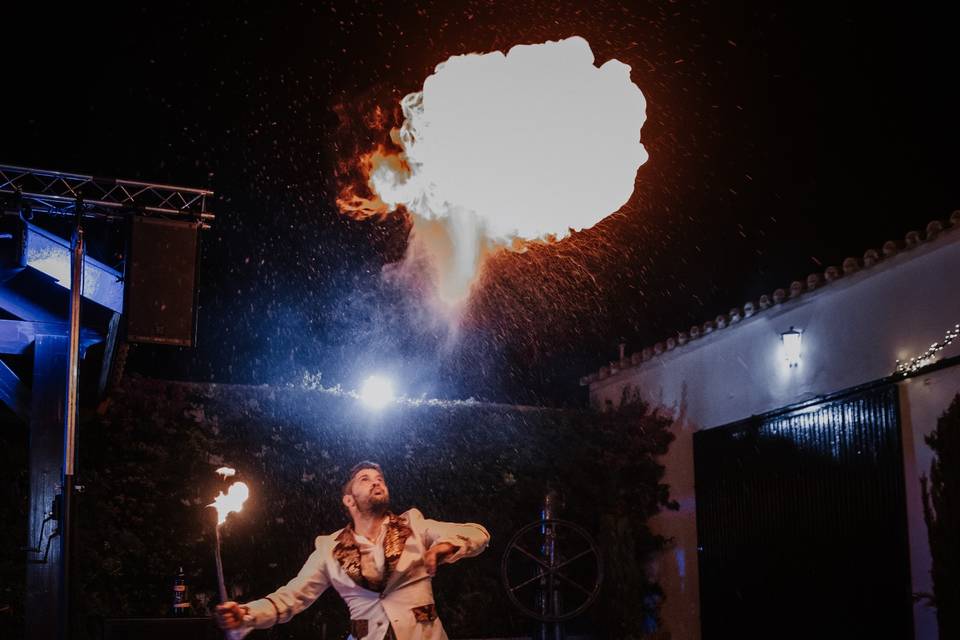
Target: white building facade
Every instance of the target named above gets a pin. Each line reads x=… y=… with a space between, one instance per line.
x=856 y=322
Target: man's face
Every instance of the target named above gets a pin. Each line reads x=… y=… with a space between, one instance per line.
x=369 y=491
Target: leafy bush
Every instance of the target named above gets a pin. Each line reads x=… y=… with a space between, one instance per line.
x=147 y=460
x=942 y=514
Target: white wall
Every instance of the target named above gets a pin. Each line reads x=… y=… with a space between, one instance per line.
x=854 y=330
x=922 y=401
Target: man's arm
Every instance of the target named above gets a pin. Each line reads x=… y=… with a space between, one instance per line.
x=466 y=540
x=292 y=598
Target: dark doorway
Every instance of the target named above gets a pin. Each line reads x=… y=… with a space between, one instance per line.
x=801 y=520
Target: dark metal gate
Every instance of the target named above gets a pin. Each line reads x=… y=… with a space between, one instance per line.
x=801 y=520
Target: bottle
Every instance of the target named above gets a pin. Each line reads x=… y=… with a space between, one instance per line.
x=181 y=598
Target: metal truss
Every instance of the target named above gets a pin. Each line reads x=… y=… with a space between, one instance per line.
x=58 y=193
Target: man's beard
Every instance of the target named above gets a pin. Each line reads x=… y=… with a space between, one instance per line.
x=377 y=504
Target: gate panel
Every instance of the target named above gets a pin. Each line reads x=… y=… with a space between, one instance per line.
x=801 y=523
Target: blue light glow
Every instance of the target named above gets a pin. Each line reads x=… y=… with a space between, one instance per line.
x=50 y=254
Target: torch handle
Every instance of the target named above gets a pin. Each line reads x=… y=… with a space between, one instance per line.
x=220 y=583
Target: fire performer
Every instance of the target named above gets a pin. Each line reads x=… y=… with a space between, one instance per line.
x=381 y=564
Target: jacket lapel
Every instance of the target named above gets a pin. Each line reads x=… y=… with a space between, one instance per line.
x=395 y=540
x=347 y=552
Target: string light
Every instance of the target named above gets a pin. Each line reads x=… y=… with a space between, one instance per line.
x=906 y=367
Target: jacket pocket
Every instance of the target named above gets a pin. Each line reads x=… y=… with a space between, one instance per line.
x=425 y=613
x=359 y=629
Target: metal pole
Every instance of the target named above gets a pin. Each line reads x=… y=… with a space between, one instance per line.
x=70 y=420
x=549 y=596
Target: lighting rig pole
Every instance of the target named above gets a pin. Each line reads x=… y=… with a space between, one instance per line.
x=28 y=192
x=67 y=484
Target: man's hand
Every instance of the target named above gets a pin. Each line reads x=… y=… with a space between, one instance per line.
x=230 y=615
x=435 y=555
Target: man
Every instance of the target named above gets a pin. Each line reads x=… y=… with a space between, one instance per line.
x=381 y=564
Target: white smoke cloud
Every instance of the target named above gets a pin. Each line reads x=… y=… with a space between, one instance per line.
x=535 y=142
x=525 y=145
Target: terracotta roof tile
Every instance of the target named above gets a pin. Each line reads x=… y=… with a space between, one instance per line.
x=814 y=281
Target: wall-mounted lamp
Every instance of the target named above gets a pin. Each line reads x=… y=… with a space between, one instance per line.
x=792 y=340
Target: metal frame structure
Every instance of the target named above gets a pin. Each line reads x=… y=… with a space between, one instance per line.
x=25 y=192
x=59 y=193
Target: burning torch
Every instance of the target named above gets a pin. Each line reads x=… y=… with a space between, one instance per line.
x=226 y=503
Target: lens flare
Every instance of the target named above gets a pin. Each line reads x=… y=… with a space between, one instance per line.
x=499 y=148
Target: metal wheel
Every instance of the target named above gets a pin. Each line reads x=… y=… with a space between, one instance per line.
x=552 y=570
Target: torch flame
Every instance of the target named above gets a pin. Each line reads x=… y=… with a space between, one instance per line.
x=231 y=502
x=226 y=472
x=527 y=145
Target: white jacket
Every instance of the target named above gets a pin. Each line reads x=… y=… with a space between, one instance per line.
x=406 y=600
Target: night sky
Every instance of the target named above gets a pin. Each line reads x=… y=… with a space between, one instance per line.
x=781 y=141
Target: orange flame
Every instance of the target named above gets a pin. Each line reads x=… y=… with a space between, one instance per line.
x=379 y=162
x=231 y=502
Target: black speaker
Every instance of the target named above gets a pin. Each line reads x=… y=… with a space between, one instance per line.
x=161 y=281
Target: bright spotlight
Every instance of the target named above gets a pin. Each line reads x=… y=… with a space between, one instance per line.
x=377 y=391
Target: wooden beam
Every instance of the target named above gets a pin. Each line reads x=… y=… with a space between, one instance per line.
x=16 y=336
x=109 y=351
x=44 y=591
x=14 y=393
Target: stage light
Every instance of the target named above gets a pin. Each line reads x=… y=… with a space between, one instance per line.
x=792 y=341
x=377 y=392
